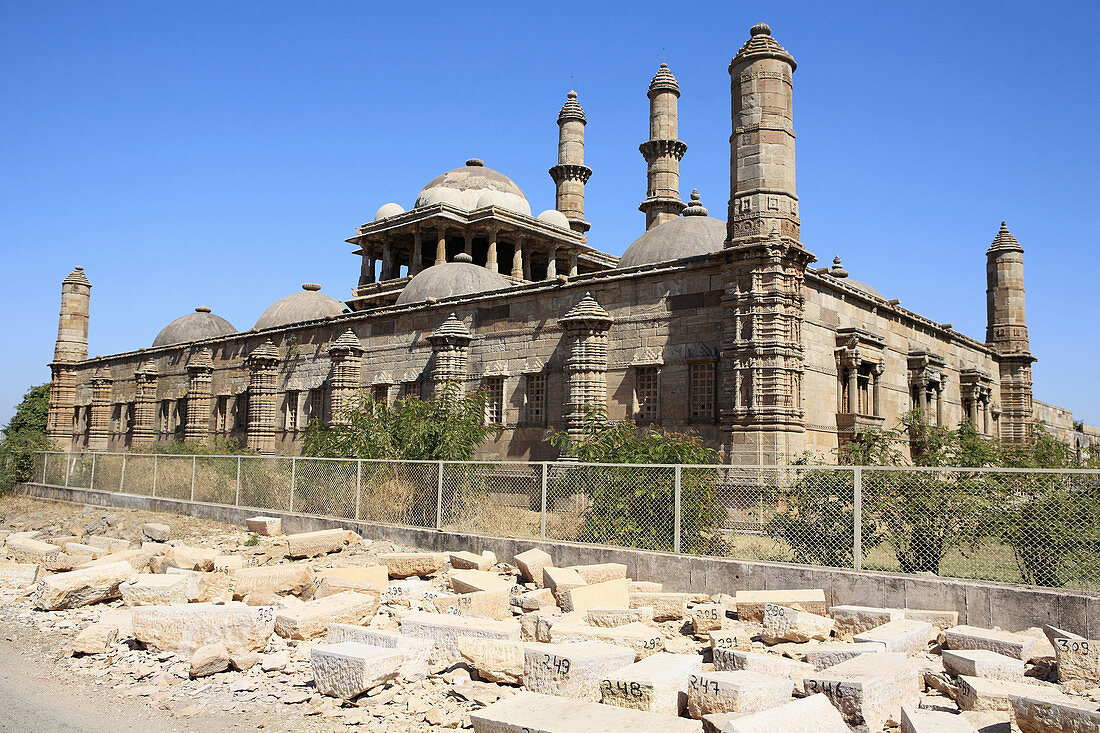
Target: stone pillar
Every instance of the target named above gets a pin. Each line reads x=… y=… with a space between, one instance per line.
x=876 y=388
x=416 y=261
x=387 y=261
x=450 y=346
x=552 y=263
x=468 y=240
x=662 y=152
x=347 y=363
x=573 y=263
x=1006 y=334
x=145 y=404
x=586 y=326
x=491 y=258
x=71 y=347
x=200 y=372
x=853 y=387
x=99 y=416
x=517 y=258
x=441 y=246
x=939 y=402
x=262 y=372
x=571 y=174
x=366 y=270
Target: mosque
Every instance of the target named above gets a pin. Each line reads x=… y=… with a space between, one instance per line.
x=722 y=326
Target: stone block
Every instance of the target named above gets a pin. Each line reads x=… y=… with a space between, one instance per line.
x=155 y=590
x=852 y=620
x=492 y=604
x=444 y=629
x=191 y=558
x=982 y=663
x=416 y=652
x=408 y=564
x=183 y=629
x=228 y=563
x=916 y=720
x=496 y=660
x=348 y=669
x=1018 y=646
x=137 y=558
x=642 y=639
x=29 y=550
x=1078 y=659
x=980 y=693
x=309 y=619
x=559 y=580
x=666 y=606
x=409 y=588
x=611 y=617
x=377 y=576
x=601 y=572
x=813 y=714
x=266 y=526
x=210 y=586
x=76 y=549
x=572 y=669
x=1036 y=715
x=82 y=587
x=902 y=635
x=529 y=712
x=286 y=579
x=750 y=603
x=534 y=600
x=734 y=636
x=645 y=586
x=833 y=653
x=209 y=659
x=110 y=544
x=582 y=599
x=707 y=617
x=156 y=531
x=729 y=660
x=658 y=684
x=869 y=690
x=18 y=572
x=942 y=620
x=314 y=544
x=96 y=639
x=472 y=581
x=735 y=692
x=787 y=624
x=531 y=563
x=469 y=561
x=331 y=586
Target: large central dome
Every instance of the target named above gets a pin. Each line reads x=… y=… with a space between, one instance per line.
x=473 y=186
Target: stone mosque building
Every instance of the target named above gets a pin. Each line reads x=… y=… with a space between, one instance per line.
x=722 y=326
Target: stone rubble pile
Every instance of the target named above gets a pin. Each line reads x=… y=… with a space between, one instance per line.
x=382 y=638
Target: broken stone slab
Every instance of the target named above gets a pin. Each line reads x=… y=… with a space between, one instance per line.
x=155 y=590
x=330 y=586
x=1037 y=715
x=751 y=603
x=600 y=572
x=496 y=660
x=82 y=587
x=559 y=580
x=666 y=606
x=642 y=639
x=707 y=617
x=265 y=526
x=545 y=620
x=782 y=623
x=137 y=558
x=183 y=629
x=869 y=690
x=595 y=595
x=191 y=558
x=658 y=684
x=734 y=636
x=833 y=653
x=315 y=544
x=980 y=693
x=572 y=669
x=444 y=629
x=531 y=563
x=1078 y=659
x=309 y=619
x=277 y=579
x=377 y=576
x=416 y=652
x=466 y=560
x=110 y=544
x=917 y=720
x=209 y=659
x=982 y=663
x=156 y=531
x=901 y=635
x=852 y=620
x=77 y=549
x=1019 y=646
x=494 y=604
x=29 y=550
x=942 y=620
x=534 y=600
x=348 y=669
x=813 y=714
x=409 y=564
x=20 y=572
x=96 y=638
x=472 y=581
x=611 y=617
x=735 y=692
x=530 y=712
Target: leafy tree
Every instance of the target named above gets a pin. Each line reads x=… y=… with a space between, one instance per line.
x=215 y=446
x=24 y=434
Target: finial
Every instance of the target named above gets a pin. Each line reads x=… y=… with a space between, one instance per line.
x=463 y=257
x=664 y=65
x=202 y=309
x=760 y=29
x=695 y=206
x=311 y=287
x=572 y=94
x=475 y=162
x=78 y=267
x=837 y=270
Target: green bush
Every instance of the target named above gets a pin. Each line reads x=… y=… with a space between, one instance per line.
x=24 y=435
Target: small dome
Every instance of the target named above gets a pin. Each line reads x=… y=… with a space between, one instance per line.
x=308 y=305
x=553 y=217
x=385 y=211
x=202 y=324
x=690 y=235
x=459 y=277
x=466 y=188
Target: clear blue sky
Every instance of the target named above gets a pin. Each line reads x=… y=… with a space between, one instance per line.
x=219 y=153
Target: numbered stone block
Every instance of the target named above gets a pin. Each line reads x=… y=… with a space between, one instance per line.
x=982 y=663
x=110 y=544
x=643 y=640
x=1037 y=715
x=596 y=595
x=707 y=617
x=183 y=629
x=1019 y=646
x=813 y=714
x=869 y=690
x=315 y=544
x=465 y=560
x=330 y=586
x=348 y=669
x=751 y=603
x=666 y=606
x=787 y=624
x=495 y=660
x=730 y=660
x=266 y=526
x=833 y=653
x=735 y=692
x=82 y=587
x=611 y=617
x=156 y=531
x=1078 y=659
x=309 y=619
x=733 y=636
x=473 y=581
x=155 y=590
x=916 y=720
x=190 y=558
x=852 y=620
x=601 y=572
x=559 y=580
x=531 y=563
x=415 y=651
x=226 y=563
x=277 y=580
x=658 y=684
x=18 y=572
x=444 y=629
x=901 y=635
x=76 y=549
x=374 y=576
x=529 y=712
x=980 y=693
x=409 y=564
x=28 y=550
x=493 y=604
x=572 y=670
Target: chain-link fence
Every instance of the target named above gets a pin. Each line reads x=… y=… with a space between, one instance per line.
x=1039 y=527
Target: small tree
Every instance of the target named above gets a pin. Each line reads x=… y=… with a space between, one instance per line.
x=24 y=435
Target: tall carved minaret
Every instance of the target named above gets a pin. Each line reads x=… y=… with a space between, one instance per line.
x=71 y=348
x=571 y=174
x=1006 y=334
x=764 y=263
x=662 y=152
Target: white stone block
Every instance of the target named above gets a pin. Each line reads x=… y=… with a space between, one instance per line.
x=29 y=550
x=916 y=720
x=942 y=620
x=444 y=629
x=18 y=572
x=348 y=669
x=1078 y=659
x=1019 y=646
x=666 y=606
x=376 y=576
x=601 y=572
x=609 y=593
x=209 y=659
x=751 y=603
x=611 y=617
x=183 y=629
x=833 y=653
x=415 y=651
x=902 y=635
x=465 y=560
x=493 y=604
x=572 y=670
x=156 y=531
x=110 y=544
x=529 y=712
x=531 y=562
x=813 y=714
x=559 y=580
x=155 y=590
x=980 y=693
x=266 y=526
x=272 y=580
x=982 y=663
x=308 y=620
x=735 y=692
x=644 y=640
x=782 y=623
x=496 y=660
x=82 y=587
x=472 y=581
x=869 y=690
x=852 y=620
x=191 y=558
x=658 y=684
x=315 y=544
x=767 y=664
x=707 y=617
x=1038 y=715
x=408 y=564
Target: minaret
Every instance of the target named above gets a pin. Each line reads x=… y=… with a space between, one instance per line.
x=71 y=348
x=1006 y=334
x=570 y=174
x=662 y=152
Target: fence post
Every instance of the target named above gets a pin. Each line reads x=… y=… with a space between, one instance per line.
x=676 y=514
x=194 y=460
x=155 y=476
x=91 y=479
x=293 y=479
x=857 y=534
x=45 y=459
x=237 y=497
x=439 y=498
x=122 y=476
x=542 y=529
x=358 y=485
x=68 y=470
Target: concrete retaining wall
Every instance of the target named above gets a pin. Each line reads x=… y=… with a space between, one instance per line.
x=980 y=603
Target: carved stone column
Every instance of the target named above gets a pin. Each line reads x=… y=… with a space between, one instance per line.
x=441 y=246
x=347 y=361
x=450 y=347
x=59 y=420
x=517 y=258
x=586 y=326
x=99 y=417
x=200 y=372
x=262 y=372
x=416 y=261
x=145 y=404
x=491 y=257
x=552 y=263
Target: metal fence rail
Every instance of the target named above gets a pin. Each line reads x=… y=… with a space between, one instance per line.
x=1039 y=527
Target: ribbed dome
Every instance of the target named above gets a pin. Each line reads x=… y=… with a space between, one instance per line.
x=460 y=277
x=465 y=188
x=692 y=234
x=202 y=324
x=308 y=305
